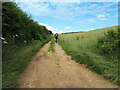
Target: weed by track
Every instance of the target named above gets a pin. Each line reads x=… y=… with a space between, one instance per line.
x=52 y=46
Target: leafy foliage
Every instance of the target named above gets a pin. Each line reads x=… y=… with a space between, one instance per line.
x=109 y=46
x=19 y=28
x=21 y=38
x=109 y=43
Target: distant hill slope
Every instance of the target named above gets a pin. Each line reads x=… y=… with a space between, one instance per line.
x=106 y=28
x=98 y=49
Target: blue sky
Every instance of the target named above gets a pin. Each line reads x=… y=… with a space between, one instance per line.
x=62 y=17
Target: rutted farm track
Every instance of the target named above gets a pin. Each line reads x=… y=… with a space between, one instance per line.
x=57 y=70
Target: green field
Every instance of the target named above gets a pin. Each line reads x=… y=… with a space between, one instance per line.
x=82 y=48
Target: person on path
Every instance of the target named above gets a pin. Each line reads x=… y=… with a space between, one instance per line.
x=56 y=37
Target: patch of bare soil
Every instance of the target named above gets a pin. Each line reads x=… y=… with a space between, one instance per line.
x=57 y=70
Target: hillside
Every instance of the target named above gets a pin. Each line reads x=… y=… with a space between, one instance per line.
x=21 y=38
x=97 y=49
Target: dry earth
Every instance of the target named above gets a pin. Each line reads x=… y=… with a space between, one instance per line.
x=57 y=70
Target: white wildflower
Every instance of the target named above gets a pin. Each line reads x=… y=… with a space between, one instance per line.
x=5 y=42
x=2 y=38
x=16 y=35
x=13 y=36
x=24 y=41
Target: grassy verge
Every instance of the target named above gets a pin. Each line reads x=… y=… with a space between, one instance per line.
x=82 y=48
x=14 y=61
x=52 y=46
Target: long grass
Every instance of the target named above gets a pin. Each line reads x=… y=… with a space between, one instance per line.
x=82 y=48
x=52 y=46
x=14 y=61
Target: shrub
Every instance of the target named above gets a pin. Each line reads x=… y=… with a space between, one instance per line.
x=108 y=44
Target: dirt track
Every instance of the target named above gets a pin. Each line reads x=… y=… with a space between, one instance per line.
x=57 y=70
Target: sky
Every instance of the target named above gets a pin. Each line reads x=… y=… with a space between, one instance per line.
x=61 y=17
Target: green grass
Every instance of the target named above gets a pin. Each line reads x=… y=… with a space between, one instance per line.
x=82 y=48
x=14 y=61
x=52 y=46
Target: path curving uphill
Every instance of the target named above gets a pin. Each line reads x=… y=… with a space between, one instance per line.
x=57 y=70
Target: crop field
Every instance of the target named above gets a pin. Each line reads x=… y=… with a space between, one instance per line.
x=82 y=47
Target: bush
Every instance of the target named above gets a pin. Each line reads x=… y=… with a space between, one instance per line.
x=18 y=28
x=22 y=38
x=108 y=44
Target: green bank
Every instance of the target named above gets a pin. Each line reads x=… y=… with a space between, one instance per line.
x=21 y=38
x=97 y=49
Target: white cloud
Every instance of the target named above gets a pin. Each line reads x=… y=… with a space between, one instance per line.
x=89 y=29
x=59 y=32
x=76 y=12
x=49 y=27
x=67 y=0
x=103 y=19
x=65 y=9
x=92 y=29
x=99 y=16
x=67 y=27
x=68 y=31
